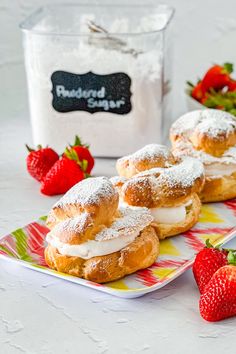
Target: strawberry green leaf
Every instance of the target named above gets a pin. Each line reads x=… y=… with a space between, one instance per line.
x=229 y=67
x=231 y=257
x=67 y=152
x=221 y=100
x=74 y=155
x=78 y=141
x=208 y=244
x=71 y=154
x=84 y=165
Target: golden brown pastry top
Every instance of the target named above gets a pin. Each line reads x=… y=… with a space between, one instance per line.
x=150 y=156
x=89 y=211
x=162 y=187
x=211 y=131
x=95 y=196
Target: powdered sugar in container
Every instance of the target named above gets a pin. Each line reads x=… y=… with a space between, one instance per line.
x=101 y=72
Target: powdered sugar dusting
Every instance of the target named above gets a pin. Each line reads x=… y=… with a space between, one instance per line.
x=87 y=192
x=116 y=180
x=149 y=152
x=184 y=174
x=142 y=183
x=131 y=221
x=212 y=122
x=216 y=123
x=74 y=225
x=153 y=171
x=185 y=148
x=186 y=123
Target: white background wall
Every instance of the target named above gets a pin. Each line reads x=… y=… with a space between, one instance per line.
x=204 y=32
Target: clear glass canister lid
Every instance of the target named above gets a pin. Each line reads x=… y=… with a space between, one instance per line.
x=79 y=19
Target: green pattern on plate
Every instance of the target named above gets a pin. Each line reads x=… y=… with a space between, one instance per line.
x=21 y=245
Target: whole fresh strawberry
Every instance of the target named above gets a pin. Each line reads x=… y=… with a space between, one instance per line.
x=217 y=77
x=84 y=157
x=63 y=175
x=219 y=298
x=40 y=161
x=206 y=263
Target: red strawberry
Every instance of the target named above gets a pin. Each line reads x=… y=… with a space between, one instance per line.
x=217 y=77
x=206 y=263
x=40 y=161
x=232 y=85
x=204 y=100
x=84 y=157
x=198 y=92
x=219 y=298
x=63 y=175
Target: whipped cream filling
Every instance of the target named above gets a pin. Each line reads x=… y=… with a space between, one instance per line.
x=219 y=169
x=185 y=148
x=165 y=215
x=92 y=248
x=119 y=235
x=172 y=215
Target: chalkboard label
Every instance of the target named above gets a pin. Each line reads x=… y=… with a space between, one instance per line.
x=91 y=92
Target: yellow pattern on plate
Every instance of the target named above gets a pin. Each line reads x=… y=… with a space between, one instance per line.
x=167 y=247
x=162 y=272
x=209 y=215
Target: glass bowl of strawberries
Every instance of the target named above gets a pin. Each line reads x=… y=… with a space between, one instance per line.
x=217 y=90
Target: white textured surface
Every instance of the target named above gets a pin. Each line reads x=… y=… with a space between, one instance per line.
x=43 y=315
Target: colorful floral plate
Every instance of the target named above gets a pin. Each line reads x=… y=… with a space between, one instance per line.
x=26 y=247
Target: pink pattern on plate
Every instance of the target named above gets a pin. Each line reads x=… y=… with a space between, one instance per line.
x=36 y=238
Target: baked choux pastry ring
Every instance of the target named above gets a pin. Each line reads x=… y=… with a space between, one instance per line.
x=210 y=136
x=170 y=193
x=92 y=238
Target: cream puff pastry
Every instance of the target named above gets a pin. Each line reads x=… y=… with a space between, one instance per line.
x=170 y=191
x=210 y=136
x=92 y=238
x=150 y=156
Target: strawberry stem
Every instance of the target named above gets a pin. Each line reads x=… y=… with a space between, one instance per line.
x=189 y=83
x=29 y=148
